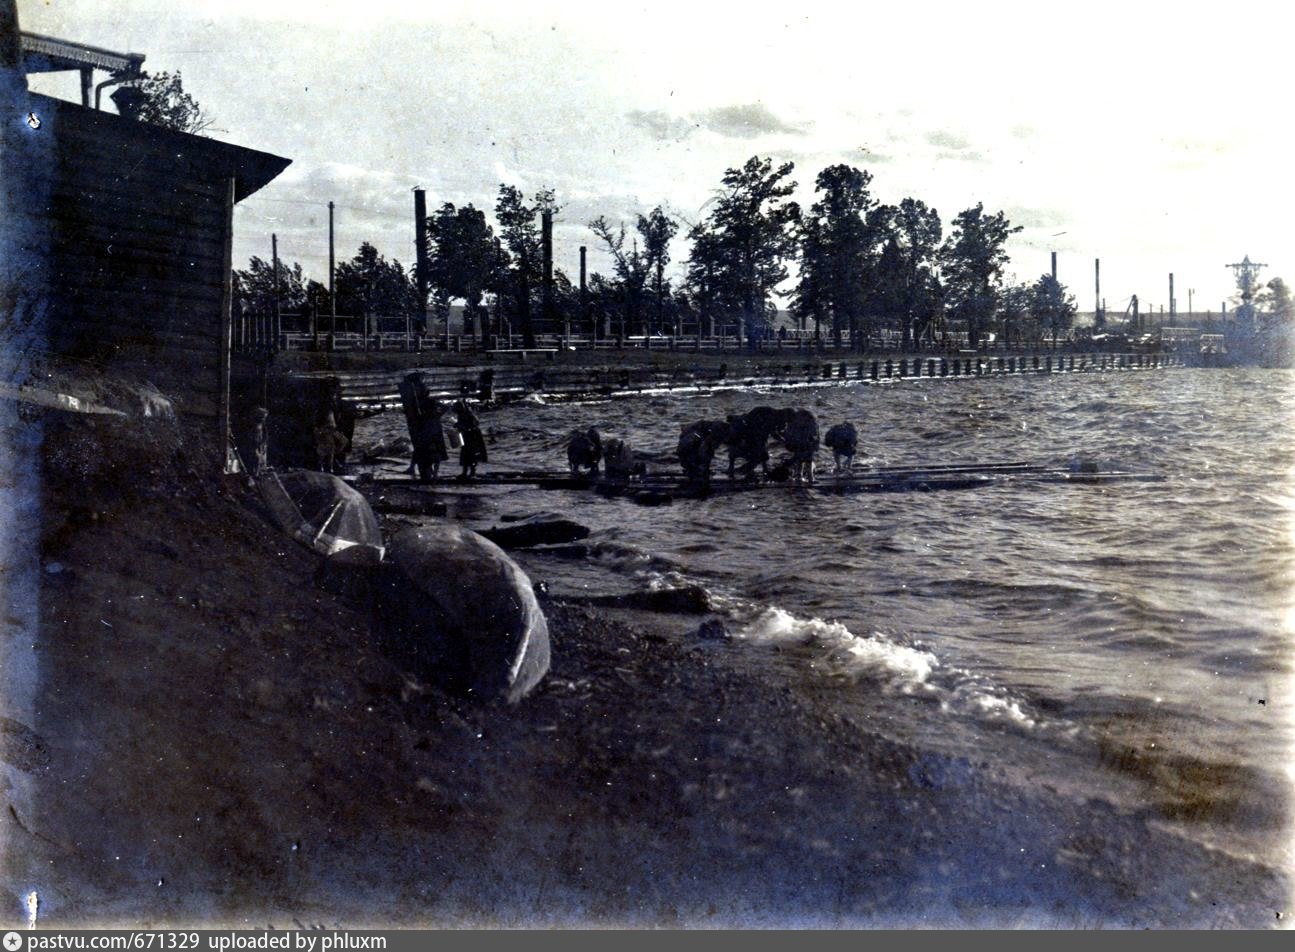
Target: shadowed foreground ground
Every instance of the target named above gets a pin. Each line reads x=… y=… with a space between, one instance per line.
x=219 y=741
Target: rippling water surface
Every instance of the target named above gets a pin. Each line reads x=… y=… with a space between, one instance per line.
x=1127 y=641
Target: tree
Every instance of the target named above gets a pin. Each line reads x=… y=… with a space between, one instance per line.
x=519 y=233
x=657 y=230
x=746 y=239
x=631 y=271
x=1015 y=317
x=972 y=260
x=837 y=249
x=317 y=297
x=919 y=230
x=254 y=287
x=161 y=100
x=1274 y=302
x=371 y=286
x=1051 y=306
x=463 y=259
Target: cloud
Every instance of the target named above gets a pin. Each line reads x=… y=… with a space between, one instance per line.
x=969 y=156
x=745 y=121
x=948 y=140
x=1037 y=217
x=866 y=156
x=660 y=124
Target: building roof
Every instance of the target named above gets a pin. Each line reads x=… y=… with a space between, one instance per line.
x=129 y=142
x=47 y=54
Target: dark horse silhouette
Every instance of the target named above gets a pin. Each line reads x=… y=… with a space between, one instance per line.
x=584 y=451
x=697 y=445
x=800 y=436
x=749 y=438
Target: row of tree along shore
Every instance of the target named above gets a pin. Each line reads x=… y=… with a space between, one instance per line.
x=866 y=271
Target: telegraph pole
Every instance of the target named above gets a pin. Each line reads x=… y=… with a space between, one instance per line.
x=1247 y=273
x=332 y=297
x=274 y=314
x=584 y=293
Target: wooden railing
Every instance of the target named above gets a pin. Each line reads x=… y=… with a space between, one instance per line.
x=468 y=344
x=376 y=389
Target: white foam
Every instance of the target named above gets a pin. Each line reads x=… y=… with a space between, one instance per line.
x=774 y=626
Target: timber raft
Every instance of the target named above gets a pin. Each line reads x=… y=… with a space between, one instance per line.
x=377 y=390
x=397 y=494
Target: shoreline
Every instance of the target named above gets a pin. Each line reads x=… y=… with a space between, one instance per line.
x=222 y=741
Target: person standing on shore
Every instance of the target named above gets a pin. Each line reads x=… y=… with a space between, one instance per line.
x=423 y=416
x=428 y=437
x=329 y=441
x=474 y=444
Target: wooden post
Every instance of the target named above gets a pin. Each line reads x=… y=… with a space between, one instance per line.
x=332 y=296
x=584 y=297
x=274 y=312
x=223 y=411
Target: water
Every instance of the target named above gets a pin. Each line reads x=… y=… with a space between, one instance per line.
x=1128 y=642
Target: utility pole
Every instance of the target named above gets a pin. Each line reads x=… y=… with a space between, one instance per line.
x=274 y=318
x=584 y=294
x=332 y=297
x=420 y=257
x=1247 y=273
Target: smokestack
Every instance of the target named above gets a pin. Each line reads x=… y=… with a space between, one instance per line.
x=1099 y=318
x=420 y=254
x=1172 y=308
x=1054 y=266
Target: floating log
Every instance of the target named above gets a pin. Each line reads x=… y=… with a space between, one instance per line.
x=662 y=488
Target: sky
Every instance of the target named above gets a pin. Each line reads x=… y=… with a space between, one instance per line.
x=1154 y=136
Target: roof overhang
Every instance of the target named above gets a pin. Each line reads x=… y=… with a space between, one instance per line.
x=47 y=54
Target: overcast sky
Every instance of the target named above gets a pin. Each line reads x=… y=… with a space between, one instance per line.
x=1154 y=136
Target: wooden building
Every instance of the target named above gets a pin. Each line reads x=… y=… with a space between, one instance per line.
x=127 y=228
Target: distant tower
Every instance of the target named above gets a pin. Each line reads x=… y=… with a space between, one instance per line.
x=1247 y=273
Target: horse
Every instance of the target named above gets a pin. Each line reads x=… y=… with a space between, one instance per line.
x=749 y=438
x=843 y=441
x=800 y=436
x=618 y=462
x=584 y=451
x=697 y=445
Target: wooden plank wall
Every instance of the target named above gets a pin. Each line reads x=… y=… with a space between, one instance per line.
x=137 y=262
